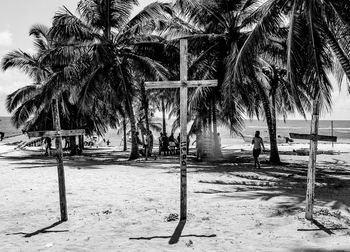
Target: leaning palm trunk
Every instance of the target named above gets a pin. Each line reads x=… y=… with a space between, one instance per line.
x=134 y=154
x=271 y=124
x=125 y=135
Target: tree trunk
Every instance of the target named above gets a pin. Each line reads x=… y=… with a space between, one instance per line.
x=271 y=124
x=107 y=28
x=72 y=139
x=145 y=107
x=125 y=135
x=73 y=145
x=274 y=155
x=59 y=157
x=210 y=121
x=81 y=142
x=311 y=173
x=134 y=154
x=163 y=113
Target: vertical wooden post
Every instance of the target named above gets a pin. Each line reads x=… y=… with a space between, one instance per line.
x=311 y=173
x=183 y=125
x=60 y=168
x=332 y=133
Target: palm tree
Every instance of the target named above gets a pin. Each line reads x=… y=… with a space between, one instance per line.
x=216 y=31
x=107 y=29
x=316 y=39
x=51 y=79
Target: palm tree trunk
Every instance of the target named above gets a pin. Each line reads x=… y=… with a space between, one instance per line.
x=271 y=124
x=145 y=107
x=134 y=154
x=60 y=167
x=107 y=28
x=125 y=135
x=163 y=114
x=210 y=121
x=81 y=142
x=72 y=139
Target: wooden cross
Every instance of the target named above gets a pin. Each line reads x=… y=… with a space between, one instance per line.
x=311 y=174
x=183 y=84
x=58 y=134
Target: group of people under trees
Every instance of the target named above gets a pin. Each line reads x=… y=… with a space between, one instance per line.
x=170 y=145
x=145 y=146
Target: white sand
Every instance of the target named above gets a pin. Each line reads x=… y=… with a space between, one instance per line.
x=111 y=201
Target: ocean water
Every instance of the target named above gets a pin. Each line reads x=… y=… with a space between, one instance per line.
x=341 y=129
x=7 y=127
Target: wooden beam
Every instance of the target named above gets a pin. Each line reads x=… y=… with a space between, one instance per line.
x=178 y=84
x=54 y=133
x=313 y=137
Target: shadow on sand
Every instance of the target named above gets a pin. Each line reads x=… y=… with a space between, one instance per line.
x=42 y=230
x=320 y=227
x=176 y=235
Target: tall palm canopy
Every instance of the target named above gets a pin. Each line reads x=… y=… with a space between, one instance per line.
x=113 y=39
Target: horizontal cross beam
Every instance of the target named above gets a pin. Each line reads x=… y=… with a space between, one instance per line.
x=177 y=84
x=54 y=133
x=313 y=137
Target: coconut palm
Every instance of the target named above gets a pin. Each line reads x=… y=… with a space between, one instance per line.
x=55 y=74
x=51 y=78
x=107 y=29
x=316 y=40
x=216 y=31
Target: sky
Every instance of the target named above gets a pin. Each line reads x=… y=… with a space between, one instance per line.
x=17 y=16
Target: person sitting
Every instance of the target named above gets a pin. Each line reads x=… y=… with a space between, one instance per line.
x=172 y=144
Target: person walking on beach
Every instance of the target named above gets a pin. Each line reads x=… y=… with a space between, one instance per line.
x=258 y=143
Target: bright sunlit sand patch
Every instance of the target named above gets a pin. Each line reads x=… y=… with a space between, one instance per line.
x=132 y=206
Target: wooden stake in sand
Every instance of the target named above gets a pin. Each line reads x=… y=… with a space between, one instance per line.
x=58 y=133
x=311 y=173
x=183 y=84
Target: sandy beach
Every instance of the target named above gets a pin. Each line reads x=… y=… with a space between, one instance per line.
x=117 y=205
